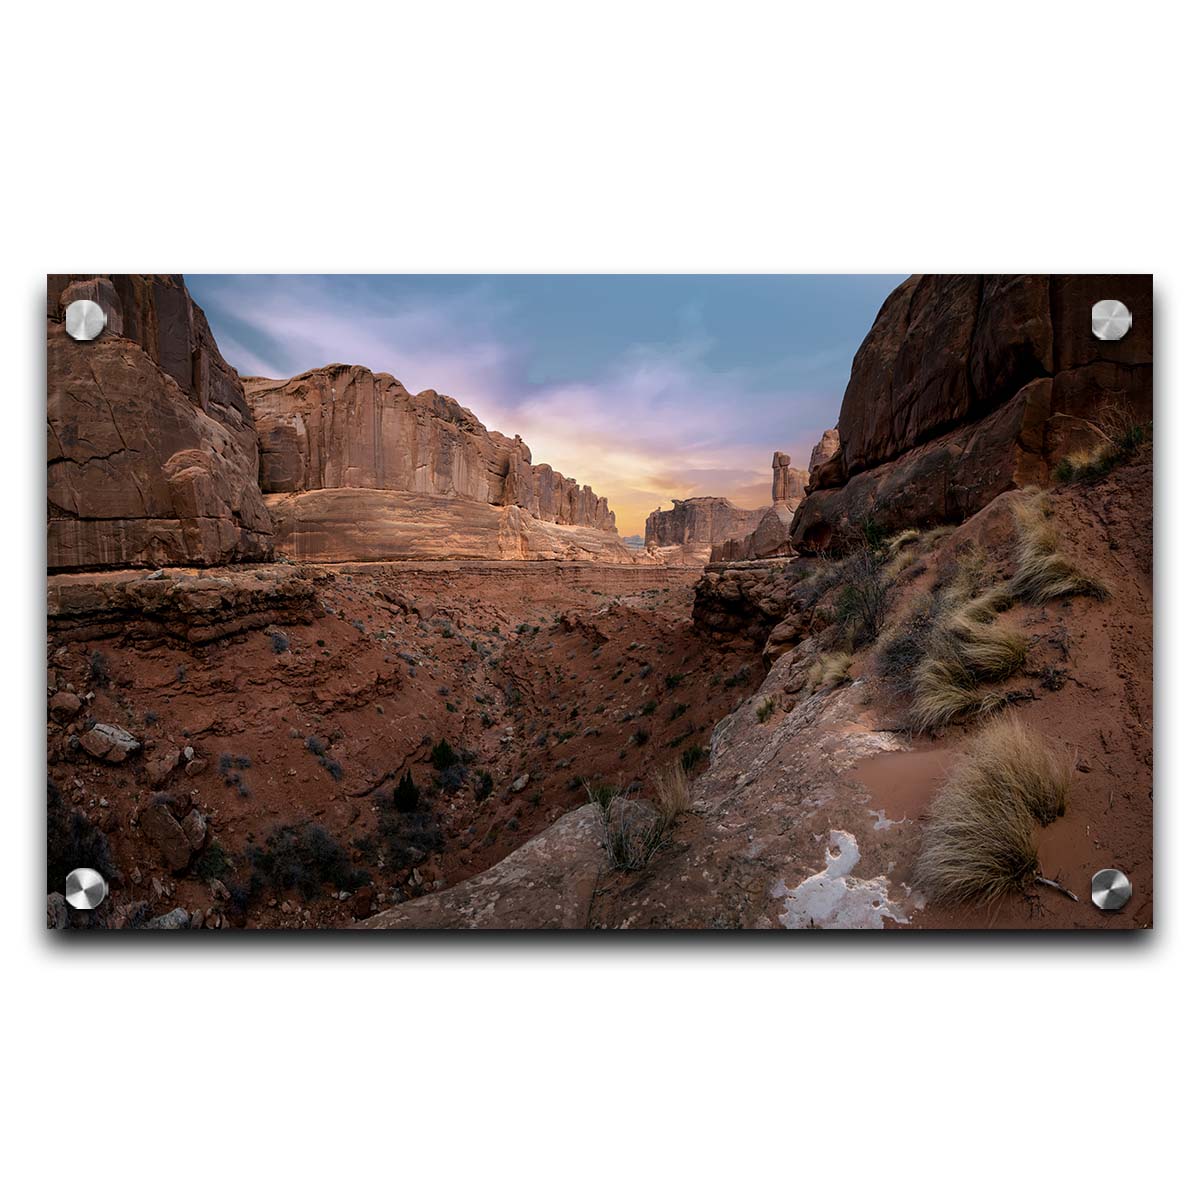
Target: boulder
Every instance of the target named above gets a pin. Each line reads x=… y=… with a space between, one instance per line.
x=195 y=828
x=166 y=835
x=160 y=765
x=64 y=706
x=177 y=918
x=110 y=743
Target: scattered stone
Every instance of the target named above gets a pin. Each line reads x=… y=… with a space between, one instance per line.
x=196 y=766
x=159 y=574
x=64 y=705
x=177 y=918
x=195 y=828
x=520 y=783
x=159 y=768
x=189 y=752
x=167 y=836
x=109 y=743
x=218 y=889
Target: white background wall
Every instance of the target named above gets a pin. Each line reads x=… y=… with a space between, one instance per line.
x=624 y=136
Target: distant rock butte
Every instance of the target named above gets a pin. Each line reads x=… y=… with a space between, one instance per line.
x=686 y=533
x=967 y=386
x=151 y=453
x=356 y=467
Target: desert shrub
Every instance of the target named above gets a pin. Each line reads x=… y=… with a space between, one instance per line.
x=484 y=783
x=692 y=757
x=862 y=602
x=765 y=709
x=739 y=677
x=677 y=711
x=979 y=841
x=640 y=736
x=649 y=708
x=442 y=755
x=671 y=682
x=304 y=857
x=406 y=796
x=1043 y=573
x=72 y=841
x=213 y=862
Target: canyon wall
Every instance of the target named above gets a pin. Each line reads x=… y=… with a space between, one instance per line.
x=968 y=386
x=151 y=452
x=355 y=467
x=153 y=456
x=686 y=533
x=346 y=427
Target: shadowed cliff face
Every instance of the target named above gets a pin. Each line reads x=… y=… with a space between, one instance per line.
x=151 y=454
x=967 y=386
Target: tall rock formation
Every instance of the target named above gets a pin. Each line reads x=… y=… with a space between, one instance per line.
x=686 y=534
x=769 y=538
x=356 y=467
x=787 y=484
x=967 y=386
x=151 y=451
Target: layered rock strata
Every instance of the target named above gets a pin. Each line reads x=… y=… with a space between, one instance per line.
x=151 y=452
x=356 y=467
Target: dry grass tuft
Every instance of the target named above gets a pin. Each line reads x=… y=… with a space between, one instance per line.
x=672 y=792
x=633 y=830
x=902 y=539
x=980 y=839
x=1043 y=573
x=943 y=690
x=899 y=563
x=829 y=671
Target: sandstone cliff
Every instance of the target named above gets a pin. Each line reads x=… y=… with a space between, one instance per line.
x=686 y=534
x=356 y=467
x=967 y=386
x=151 y=452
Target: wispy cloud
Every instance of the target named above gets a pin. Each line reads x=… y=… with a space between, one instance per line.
x=655 y=423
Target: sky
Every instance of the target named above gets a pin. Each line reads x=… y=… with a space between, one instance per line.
x=649 y=388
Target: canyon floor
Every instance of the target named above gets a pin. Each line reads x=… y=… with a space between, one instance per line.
x=273 y=699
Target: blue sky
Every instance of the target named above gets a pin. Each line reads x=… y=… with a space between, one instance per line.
x=647 y=387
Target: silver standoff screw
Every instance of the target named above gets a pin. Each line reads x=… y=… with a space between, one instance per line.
x=85 y=320
x=1111 y=320
x=86 y=888
x=1111 y=889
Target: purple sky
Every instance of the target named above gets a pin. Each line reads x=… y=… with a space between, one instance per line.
x=649 y=388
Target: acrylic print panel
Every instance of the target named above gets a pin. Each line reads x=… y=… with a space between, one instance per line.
x=599 y=602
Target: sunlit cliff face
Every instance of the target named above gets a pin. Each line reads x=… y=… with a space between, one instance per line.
x=648 y=388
